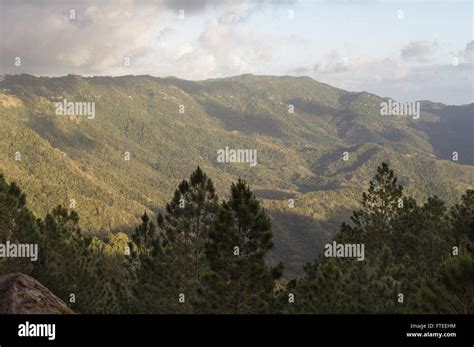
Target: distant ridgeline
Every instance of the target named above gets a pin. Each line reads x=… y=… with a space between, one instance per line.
x=112 y=148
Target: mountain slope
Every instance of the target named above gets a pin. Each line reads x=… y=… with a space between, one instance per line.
x=300 y=154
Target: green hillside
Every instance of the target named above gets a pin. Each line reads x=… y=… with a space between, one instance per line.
x=300 y=154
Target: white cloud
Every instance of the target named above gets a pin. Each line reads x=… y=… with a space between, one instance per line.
x=397 y=78
x=96 y=41
x=354 y=66
x=104 y=33
x=420 y=51
x=468 y=53
x=223 y=49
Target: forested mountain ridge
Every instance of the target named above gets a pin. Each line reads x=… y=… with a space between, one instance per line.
x=169 y=126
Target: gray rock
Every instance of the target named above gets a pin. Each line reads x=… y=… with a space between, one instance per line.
x=22 y=294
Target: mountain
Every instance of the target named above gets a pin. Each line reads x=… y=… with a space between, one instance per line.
x=169 y=126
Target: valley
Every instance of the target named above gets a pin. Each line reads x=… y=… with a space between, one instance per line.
x=170 y=126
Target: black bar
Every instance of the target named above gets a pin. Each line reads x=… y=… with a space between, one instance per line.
x=231 y=329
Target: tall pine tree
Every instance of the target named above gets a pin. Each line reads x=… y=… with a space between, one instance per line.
x=240 y=281
x=184 y=231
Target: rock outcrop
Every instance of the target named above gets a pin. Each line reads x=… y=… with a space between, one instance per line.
x=22 y=294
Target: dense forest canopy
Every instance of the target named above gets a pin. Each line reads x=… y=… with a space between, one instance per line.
x=205 y=254
x=147 y=133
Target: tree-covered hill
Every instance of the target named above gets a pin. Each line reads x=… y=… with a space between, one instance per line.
x=206 y=254
x=169 y=126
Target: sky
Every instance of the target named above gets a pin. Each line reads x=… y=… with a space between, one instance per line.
x=408 y=50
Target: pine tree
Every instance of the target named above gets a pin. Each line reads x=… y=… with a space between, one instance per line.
x=462 y=219
x=240 y=281
x=17 y=225
x=184 y=232
x=112 y=268
x=151 y=287
x=452 y=290
x=145 y=237
x=380 y=205
x=371 y=285
x=320 y=291
x=72 y=274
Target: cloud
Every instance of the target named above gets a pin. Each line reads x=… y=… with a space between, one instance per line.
x=420 y=51
x=197 y=6
x=299 y=70
x=223 y=49
x=95 y=40
x=192 y=6
x=402 y=79
x=468 y=53
x=220 y=41
x=332 y=63
x=397 y=79
x=375 y=67
x=103 y=34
